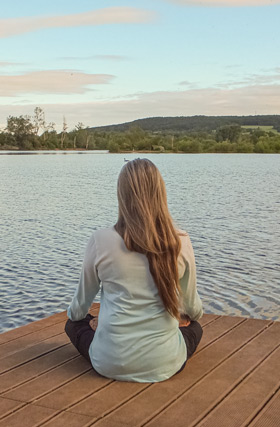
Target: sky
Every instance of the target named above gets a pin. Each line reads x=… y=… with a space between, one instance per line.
x=114 y=61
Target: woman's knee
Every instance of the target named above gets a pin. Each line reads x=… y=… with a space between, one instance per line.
x=198 y=331
x=69 y=329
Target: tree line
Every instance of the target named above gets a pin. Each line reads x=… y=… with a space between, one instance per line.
x=35 y=133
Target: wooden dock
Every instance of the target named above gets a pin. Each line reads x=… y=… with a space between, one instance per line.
x=232 y=381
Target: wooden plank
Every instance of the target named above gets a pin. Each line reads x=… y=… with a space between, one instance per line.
x=67 y=395
x=32 y=327
x=30 y=353
x=213 y=388
x=30 y=339
x=109 y=398
x=49 y=381
x=217 y=329
x=161 y=394
x=8 y=405
x=242 y=405
x=70 y=420
x=208 y=318
x=28 y=416
x=36 y=367
x=270 y=415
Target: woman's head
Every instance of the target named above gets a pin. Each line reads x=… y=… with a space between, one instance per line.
x=141 y=195
x=146 y=226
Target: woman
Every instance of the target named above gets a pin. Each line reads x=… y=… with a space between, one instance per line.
x=147 y=271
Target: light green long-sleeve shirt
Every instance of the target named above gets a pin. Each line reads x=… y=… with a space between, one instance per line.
x=136 y=338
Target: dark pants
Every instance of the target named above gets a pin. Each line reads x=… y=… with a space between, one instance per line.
x=81 y=336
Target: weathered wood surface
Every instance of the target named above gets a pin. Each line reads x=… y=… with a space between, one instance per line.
x=232 y=381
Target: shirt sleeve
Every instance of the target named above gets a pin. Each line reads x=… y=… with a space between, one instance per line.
x=89 y=284
x=191 y=302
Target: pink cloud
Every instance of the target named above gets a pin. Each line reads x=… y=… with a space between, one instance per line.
x=110 y=15
x=50 y=82
x=225 y=3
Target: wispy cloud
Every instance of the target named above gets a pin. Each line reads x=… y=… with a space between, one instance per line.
x=51 y=82
x=110 y=15
x=110 y=57
x=254 y=79
x=10 y=64
x=187 y=83
x=114 y=58
x=225 y=3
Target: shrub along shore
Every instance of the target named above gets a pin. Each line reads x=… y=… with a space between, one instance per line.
x=219 y=135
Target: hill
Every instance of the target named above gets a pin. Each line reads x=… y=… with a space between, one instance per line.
x=193 y=123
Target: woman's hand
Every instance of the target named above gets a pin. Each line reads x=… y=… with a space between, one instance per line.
x=184 y=321
x=93 y=323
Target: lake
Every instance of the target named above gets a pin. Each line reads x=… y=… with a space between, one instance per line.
x=50 y=205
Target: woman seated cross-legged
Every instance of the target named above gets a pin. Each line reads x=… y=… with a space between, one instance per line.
x=147 y=325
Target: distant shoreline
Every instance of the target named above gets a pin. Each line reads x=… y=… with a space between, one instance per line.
x=34 y=152
x=65 y=152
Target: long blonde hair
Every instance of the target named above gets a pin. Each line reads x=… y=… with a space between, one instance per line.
x=146 y=226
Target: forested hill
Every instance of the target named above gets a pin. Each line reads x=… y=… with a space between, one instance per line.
x=193 y=123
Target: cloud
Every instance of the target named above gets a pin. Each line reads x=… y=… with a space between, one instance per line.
x=190 y=85
x=224 y=3
x=110 y=15
x=110 y=57
x=9 y=64
x=185 y=83
x=250 y=100
x=255 y=79
x=115 y=58
x=51 y=82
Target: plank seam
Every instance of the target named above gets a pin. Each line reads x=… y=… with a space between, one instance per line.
x=220 y=336
x=31 y=332
x=33 y=358
x=263 y=410
x=56 y=415
x=29 y=345
x=57 y=387
x=243 y=345
x=65 y=408
x=210 y=321
x=109 y=412
x=12 y=411
x=38 y=375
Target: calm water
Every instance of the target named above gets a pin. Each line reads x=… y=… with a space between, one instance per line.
x=229 y=204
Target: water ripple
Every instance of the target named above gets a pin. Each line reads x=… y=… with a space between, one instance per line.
x=51 y=204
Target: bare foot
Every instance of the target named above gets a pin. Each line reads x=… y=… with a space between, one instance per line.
x=93 y=323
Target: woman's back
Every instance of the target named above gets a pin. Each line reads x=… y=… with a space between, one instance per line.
x=136 y=338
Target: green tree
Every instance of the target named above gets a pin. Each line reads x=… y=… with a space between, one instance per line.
x=20 y=131
x=190 y=146
x=230 y=132
x=113 y=147
x=3 y=139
